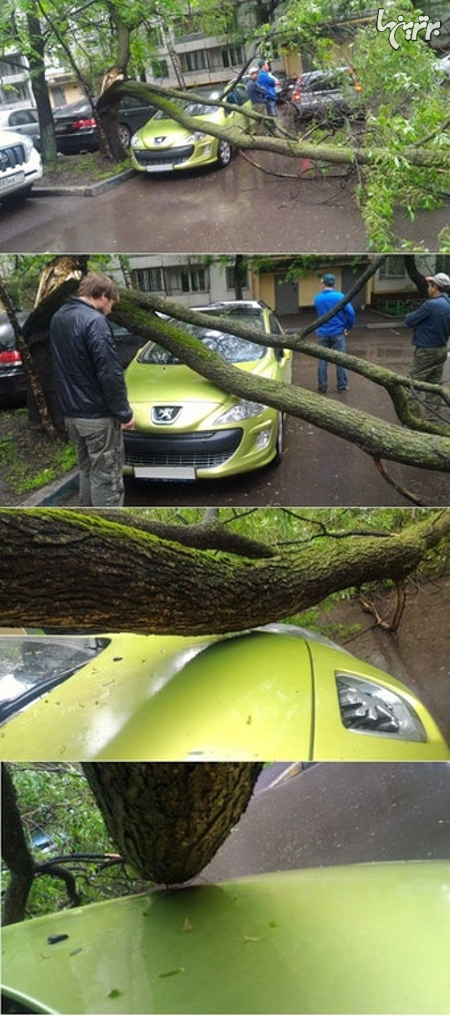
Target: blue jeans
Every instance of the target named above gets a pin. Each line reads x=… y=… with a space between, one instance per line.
x=271 y=106
x=332 y=342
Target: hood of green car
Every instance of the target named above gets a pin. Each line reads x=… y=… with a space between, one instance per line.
x=153 y=133
x=370 y=938
x=150 y=382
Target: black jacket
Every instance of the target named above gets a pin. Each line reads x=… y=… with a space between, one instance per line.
x=88 y=374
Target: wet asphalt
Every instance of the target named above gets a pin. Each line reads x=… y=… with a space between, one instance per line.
x=339 y=813
x=267 y=205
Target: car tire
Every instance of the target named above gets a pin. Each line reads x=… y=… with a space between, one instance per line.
x=124 y=135
x=279 y=443
x=224 y=153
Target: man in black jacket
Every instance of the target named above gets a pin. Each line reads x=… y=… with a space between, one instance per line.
x=91 y=388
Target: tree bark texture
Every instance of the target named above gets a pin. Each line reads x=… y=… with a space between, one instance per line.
x=69 y=569
x=169 y=819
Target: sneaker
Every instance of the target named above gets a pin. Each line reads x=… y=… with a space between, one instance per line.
x=343 y=389
x=322 y=390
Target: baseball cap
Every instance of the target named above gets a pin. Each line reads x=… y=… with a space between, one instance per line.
x=328 y=280
x=441 y=280
x=253 y=70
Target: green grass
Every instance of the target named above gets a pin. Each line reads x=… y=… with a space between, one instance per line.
x=23 y=476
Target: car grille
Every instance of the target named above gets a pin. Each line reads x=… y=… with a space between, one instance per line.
x=171 y=156
x=202 y=451
x=11 y=157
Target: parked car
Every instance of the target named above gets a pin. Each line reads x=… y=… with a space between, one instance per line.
x=20 y=167
x=22 y=120
x=277 y=692
x=187 y=427
x=76 y=127
x=259 y=930
x=12 y=375
x=319 y=94
x=164 y=145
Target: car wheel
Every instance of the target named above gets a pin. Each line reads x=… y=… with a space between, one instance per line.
x=224 y=153
x=279 y=445
x=124 y=135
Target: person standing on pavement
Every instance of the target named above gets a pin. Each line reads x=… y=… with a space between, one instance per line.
x=431 y=324
x=333 y=333
x=91 y=388
x=268 y=81
x=257 y=95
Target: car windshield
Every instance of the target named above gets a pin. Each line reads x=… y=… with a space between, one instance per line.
x=30 y=665
x=230 y=347
x=192 y=108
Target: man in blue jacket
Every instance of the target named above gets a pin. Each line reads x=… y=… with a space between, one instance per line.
x=268 y=81
x=333 y=333
x=431 y=324
x=91 y=388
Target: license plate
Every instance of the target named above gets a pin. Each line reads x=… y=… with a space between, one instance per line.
x=162 y=167
x=11 y=181
x=164 y=472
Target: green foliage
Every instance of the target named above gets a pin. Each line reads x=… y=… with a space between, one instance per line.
x=57 y=808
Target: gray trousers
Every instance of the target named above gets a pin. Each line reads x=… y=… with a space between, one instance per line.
x=99 y=449
x=428 y=365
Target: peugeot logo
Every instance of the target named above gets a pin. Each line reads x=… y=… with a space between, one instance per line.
x=160 y=139
x=165 y=414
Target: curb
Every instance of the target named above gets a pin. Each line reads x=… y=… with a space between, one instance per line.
x=89 y=191
x=54 y=493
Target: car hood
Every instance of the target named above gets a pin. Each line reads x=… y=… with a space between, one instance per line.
x=370 y=938
x=263 y=694
x=159 y=131
x=148 y=383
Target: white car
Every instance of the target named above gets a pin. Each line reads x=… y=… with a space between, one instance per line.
x=444 y=64
x=20 y=166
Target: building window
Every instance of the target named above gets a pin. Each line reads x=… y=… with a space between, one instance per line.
x=195 y=61
x=393 y=267
x=148 y=280
x=194 y=280
x=160 y=68
x=233 y=56
x=230 y=276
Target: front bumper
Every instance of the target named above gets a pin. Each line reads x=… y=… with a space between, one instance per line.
x=201 y=454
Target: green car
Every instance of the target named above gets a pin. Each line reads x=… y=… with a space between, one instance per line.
x=186 y=427
x=163 y=145
x=277 y=692
x=287 y=937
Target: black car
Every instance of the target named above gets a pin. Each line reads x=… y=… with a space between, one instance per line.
x=76 y=127
x=319 y=94
x=13 y=387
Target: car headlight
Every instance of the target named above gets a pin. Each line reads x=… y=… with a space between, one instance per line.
x=243 y=410
x=368 y=708
x=135 y=141
x=28 y=145
x=196 y=136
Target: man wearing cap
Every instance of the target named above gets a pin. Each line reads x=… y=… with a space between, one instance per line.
x=257 y=95
x=431 y=324
x=333 y=333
